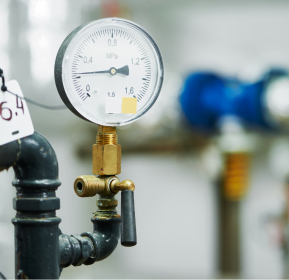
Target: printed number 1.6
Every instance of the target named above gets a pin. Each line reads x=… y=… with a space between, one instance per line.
x=131 y=91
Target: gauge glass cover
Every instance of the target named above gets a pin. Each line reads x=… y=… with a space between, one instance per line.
x=109 y=71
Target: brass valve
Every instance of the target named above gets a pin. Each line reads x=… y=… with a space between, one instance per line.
x=107 y=164
x=89 y=185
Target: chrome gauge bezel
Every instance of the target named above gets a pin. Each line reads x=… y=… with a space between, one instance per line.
x=61 y=72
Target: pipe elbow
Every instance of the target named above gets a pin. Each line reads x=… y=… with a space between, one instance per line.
x=8 y=154
x=75 y=249
x=35 y=163
x=106 y=234
x=89 y=248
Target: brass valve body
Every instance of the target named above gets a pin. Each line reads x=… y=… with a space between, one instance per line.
x=106 y=164
x=89 y=185
x=106 y=152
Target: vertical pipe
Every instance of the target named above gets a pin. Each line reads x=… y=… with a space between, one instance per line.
x=36 y=246
x=36 y=225
x=228 y=234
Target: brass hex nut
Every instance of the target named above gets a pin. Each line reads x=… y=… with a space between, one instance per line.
x=106 y=159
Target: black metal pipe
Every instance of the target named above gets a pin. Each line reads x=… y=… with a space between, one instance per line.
x=8 y=154
x=36 y=225
x=89 y=248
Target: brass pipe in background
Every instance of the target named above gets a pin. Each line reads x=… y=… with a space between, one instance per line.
x=236 y=175
x=231 y=188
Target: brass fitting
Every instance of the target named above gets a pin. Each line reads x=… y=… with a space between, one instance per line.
x=106 y=163
x=116 y=186
x=106 y=152
x=89 y=185
x=236 y=175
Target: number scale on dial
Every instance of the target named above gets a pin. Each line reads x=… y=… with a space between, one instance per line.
x=101 y=53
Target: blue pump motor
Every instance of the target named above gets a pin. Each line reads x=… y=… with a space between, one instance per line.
x=207 y=97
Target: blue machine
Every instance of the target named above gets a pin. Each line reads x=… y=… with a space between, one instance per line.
x=207 y=97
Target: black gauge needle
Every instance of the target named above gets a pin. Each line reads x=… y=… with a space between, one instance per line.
x=123 y=70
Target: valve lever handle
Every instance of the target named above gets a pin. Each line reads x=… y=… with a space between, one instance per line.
x=128 y=225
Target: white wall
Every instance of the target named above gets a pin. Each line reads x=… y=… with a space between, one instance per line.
x=175 y=207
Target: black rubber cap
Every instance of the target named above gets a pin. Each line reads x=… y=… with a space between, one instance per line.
x=128 y=226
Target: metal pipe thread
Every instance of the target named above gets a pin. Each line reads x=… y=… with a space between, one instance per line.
x=106 y=139
x=236 y=175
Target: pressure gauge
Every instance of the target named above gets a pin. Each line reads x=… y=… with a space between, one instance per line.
x=109 y=71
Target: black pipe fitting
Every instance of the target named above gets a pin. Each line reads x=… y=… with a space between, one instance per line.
x=36 y=166
x=36 y=225
x=89 y=248
x=74 y=249
x=8 y=154
x=106 y=233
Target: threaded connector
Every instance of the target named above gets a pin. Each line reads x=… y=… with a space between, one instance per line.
x=88 y=185
x=106 y=152
x=106 y=139
x=236 y=175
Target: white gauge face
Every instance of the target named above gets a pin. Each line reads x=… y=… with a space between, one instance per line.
x=112 y=72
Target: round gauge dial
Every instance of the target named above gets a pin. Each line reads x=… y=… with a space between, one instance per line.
x=109 y=71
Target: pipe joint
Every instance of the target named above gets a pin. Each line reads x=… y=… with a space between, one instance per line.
x=88 y=248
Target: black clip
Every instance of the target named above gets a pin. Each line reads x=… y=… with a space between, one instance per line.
x=3 y=87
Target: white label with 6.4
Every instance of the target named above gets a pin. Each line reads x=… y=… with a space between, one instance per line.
x=15 y=121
